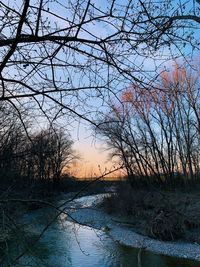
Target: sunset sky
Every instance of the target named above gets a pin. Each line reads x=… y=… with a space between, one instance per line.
x=92 y=151
x=94 y=158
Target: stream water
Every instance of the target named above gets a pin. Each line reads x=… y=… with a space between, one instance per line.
x=67 y=244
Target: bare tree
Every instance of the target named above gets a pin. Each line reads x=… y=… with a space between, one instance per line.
x=12 y=142
x=154 y=132
x=51 y=152
x=58 y=55
x=70 y=57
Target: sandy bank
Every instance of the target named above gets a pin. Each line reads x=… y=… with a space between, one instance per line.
x=97 y=218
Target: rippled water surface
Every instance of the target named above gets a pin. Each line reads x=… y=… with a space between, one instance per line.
x=66 y=244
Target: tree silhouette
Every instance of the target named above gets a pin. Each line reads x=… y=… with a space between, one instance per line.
x=155 y=133
x=71 y=57
x=63 y=57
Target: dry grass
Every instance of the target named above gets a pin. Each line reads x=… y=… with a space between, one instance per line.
x=158 y=214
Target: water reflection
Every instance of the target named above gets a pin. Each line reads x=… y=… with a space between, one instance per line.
x=66 y=244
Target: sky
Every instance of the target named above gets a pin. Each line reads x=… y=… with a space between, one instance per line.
x=94 y=156
x=93 y=151
x=94 y=159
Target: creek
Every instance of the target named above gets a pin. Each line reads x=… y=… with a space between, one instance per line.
x=69 y=244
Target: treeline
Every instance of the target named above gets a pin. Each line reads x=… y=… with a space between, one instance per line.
x=155 y=132
x=39 y=155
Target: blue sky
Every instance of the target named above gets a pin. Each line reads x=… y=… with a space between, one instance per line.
x=91 y=149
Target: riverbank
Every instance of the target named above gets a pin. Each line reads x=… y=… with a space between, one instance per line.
x=88 y=210
x=23 y=198
x=91 y=247
x=95 y=217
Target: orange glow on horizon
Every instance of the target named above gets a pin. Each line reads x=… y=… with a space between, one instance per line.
x=94 y=161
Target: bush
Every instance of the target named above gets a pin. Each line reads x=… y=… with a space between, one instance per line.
x=166 y=224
